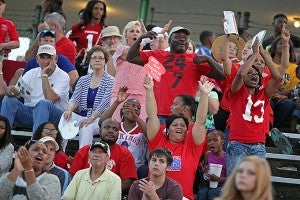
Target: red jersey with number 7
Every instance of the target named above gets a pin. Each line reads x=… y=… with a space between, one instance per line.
x=181 y=77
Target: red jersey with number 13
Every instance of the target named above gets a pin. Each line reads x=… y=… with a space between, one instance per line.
x=181 y=77
x=247 y=122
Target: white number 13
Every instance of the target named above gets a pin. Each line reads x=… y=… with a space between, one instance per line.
x=247 y=115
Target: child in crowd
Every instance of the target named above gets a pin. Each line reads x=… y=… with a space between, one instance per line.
x=215 y=155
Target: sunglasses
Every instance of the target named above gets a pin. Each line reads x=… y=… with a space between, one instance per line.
x=46 y=32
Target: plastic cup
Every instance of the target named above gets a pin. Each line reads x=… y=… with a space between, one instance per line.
x=216 y=170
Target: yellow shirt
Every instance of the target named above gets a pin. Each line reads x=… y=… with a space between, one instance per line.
x=106 y=187
x=290 y=79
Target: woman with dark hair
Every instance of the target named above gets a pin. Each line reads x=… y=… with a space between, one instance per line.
x=184 y=141
x=282 y=106
x=28 y=180
x=249 y=97
x=86 y=33
x=50 y=6
x=6 y=147
x=51 y=129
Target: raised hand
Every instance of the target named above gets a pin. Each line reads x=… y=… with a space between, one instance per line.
x=166 y=27
x=205 y=87
x=148 y=82
x=25 y=158
x=285 y=36
x=17 y=164
x=122 y=94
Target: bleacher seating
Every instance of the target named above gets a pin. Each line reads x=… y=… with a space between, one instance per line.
x=285 y=168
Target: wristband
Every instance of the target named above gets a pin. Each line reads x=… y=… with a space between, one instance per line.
x=45 y=75
x=30 y=170
x=286 y=46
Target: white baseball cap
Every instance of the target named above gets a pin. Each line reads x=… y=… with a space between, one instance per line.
x=50 y=139
x=179 y=28
x=46 y=49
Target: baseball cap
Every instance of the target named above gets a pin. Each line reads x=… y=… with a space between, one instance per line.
x=47 y=49
x=110 y=31
x=47 y=32
x=50 y=139
x=102 y=145
x=179 y=28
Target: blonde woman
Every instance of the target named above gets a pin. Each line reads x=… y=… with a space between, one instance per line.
x=128 y=74
x=250 y=180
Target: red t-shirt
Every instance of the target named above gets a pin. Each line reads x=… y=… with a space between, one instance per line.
x=121 y=161
x=226 y=84
x=67 y=48
x=87 y=36
x=247 y=124
x=185 y=159
x=8 y=31
x=61 y=160
x=181 y=77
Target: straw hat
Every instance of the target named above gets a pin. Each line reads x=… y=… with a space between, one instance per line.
x=110 y=31
x=218 y=42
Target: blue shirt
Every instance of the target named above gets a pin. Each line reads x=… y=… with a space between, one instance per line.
x=62 y=62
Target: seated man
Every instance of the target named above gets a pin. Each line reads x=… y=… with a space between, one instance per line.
x=62 y=174
x=121 y=160
x=48 y=37
x=96 y=182
x=56 y=22
x=47 y=94
x=157 y=185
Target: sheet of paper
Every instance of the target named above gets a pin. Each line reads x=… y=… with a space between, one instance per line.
x=155 y=68
x=24 y=89
x=230 y=26
x=260 y=36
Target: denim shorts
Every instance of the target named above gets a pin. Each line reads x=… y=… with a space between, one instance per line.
x=236 y=151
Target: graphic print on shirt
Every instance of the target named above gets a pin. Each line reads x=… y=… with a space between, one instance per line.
x=176 y=164
x=179 y=62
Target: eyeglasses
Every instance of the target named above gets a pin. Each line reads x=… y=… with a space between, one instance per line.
x=97 y=58
x=50 y=131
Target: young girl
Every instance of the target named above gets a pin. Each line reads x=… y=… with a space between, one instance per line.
x=6 y=148
x=215 y=155
x=248 y=99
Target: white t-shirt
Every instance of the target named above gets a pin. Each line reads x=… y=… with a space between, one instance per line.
x=59 y=81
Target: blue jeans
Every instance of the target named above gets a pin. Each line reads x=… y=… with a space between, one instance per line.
x=206 y=193
x=226 y=133
x=17 y=112
x=236 y=151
